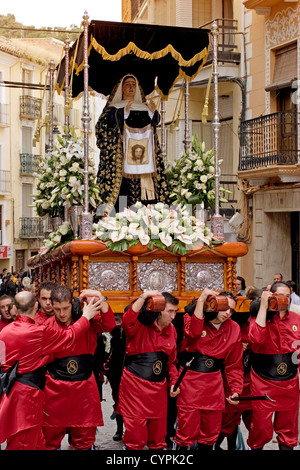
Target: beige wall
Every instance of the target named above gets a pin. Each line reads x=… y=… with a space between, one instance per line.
x=272 y=234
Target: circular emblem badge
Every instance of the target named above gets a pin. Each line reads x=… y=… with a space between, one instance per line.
x=203 y=334
x=294 y=328
x=157 y=367
x=72 y=367
x=282 y=368
x=209 y=363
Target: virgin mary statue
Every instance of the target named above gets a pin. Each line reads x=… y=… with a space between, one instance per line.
x=131 y=162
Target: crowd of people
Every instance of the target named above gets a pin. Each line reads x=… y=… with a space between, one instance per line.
x=15 y=281
x=182 y=380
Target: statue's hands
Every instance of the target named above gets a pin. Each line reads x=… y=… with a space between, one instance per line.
x=151 y=105
x=129 y=104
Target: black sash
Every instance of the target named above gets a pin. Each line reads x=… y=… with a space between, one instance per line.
x=72 y=368
x=7 y=379
x=35 y=378
x=276 y=367
x=247 y=361
x=150 y=366
x=202 y=362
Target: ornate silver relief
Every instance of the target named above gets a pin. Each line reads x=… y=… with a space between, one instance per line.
x=109 y=276
x=201 y=275
x=157 y=275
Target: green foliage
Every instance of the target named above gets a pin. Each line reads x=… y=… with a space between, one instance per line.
x=8 y=23
x=192 y=177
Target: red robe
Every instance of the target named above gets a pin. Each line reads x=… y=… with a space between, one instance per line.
x=4 y=323
x=138 y=397
x=76 y=404
x=202 y=390
x=278 y=337
x=41 y=317
x=242 y=405
x=31 y=345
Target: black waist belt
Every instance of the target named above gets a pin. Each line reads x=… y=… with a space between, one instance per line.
x=247 y=361
x=8 y=378
x=72 y=368
x=150 y=366
x=35 y=378
x=277 y=367
x=202 y=362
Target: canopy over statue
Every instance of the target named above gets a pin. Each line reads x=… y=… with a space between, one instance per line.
x=157 y=55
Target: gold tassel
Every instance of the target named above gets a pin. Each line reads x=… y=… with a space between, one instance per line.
x=205 y=107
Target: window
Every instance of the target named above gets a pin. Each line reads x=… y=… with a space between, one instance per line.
x=27 y=191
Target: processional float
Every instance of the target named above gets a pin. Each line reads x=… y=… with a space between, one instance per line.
x=158 y=56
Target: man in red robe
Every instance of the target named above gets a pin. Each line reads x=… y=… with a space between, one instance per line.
x=72 y=399
x=149 y=371
x=25 y=351
x=275 y=343
x=6 y=311
x=214 y=343
x=46 y=308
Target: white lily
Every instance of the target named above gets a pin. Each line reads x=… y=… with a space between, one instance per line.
x=165 y=238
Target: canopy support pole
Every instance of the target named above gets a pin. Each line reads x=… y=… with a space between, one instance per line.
x=163 y=128
x=51 y=105
x=67 y=48
x=187 y=140
x=86 y=219
x=217 y=221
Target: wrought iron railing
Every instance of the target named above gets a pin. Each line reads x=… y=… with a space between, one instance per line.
x=269 y=140
x=29 y=163
x=32 y=227
x=30 y=107
x=227 y=46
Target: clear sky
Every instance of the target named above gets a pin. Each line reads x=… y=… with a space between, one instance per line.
x=61 y=13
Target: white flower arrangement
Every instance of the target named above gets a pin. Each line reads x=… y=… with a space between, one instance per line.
x=192 y=177
x=169 y=228
x=61 y=178
x=62 y=234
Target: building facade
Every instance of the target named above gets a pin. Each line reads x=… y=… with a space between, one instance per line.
x=269 y=171
x=24 y=101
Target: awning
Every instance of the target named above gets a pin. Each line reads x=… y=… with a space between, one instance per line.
x=157 y=55
x=285 y=68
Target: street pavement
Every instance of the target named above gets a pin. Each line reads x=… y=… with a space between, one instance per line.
x=104 y=437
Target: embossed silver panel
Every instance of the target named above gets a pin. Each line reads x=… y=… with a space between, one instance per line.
x=157 y=275
x=109 y=276
x=201 y=275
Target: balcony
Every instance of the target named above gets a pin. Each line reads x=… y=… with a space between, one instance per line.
x=227 y=47
x=269 y=146
x=30 y=107
x=29 y=163
x=32 y=227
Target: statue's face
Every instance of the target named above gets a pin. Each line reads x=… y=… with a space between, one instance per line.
x=129 y=88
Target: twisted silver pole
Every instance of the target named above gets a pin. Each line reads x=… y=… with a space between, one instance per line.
x=67 y=65
x=51 y=105
x=217 y=219
x=86 y=220
x=163 y=128
x=187 y=140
